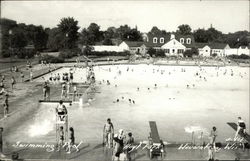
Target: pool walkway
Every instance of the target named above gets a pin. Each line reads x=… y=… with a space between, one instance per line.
x=97 y=152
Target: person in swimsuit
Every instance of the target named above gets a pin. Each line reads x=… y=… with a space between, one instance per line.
x=63 y=91
x=61 y=109
x=241 y=127
x=61 y=138
x=213 y=136
x=71 y=140
x=108 y=131
x=6 y=105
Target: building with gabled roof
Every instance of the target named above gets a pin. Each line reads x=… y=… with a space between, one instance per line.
x=134 y=46
x=203 y=49
x=219 y=48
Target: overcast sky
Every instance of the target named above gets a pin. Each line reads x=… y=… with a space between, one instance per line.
x=226 y=16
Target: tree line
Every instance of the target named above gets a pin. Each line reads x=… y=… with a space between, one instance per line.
x=66 y=36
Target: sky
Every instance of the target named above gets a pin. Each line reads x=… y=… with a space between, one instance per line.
x=224 y=15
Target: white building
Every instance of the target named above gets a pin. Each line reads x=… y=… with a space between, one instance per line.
x=101 y=48
x=135 y=47
x=173 y=47
x=219 y=49
x=243 y=50
x=203 y=49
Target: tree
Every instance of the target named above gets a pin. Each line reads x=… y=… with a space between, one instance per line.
x=155 y=31
x=200 y=36
x=107 y=41
x=134 y=35
x=111 y=32
x=86 y=38
x=87 y=50
x=68 y=28
x=55 y=39
x=94 y=32
x=237 y=39
x=123 y=32
x=40 y=38
x=213 y=34
x=18 y=38
x=6 y=26
x=184 y=29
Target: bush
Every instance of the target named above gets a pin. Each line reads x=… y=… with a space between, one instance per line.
x=160 y=53
x=51 y=59
x=109 y=53
x=5 y=53
x=191 y=53
x=24 y=53
x=214 y=55
x=242 y=56
x=69 y=53
x=151 y=51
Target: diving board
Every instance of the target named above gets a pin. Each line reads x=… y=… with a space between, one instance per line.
x=154 y=132
x=235 y=126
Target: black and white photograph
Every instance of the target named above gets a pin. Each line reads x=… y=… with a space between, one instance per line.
x=124 y=80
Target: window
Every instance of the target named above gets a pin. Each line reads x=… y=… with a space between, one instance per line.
x=188 y=41
x=167 y=50
x=206 y=50
x=173 y=50
x=182 y=40
x=155 y=40
x=161 y=40
x=180 y=51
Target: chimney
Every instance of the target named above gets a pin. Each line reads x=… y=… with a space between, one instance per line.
x=172 y=36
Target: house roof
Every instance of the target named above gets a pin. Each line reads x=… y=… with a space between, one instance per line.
x=135 y=43
x=178 y=36
x=243 y=47
x=200 y=45
x=158 y=44
x=217 y=45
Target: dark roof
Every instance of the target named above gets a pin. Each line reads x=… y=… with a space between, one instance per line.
x=192 y=45
x=178 y=36
x=151 y=44
x=243 y=46
x=135 y=43
x=200 y=45
x=116 y=41
x=217 y=45
x=158 y=44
